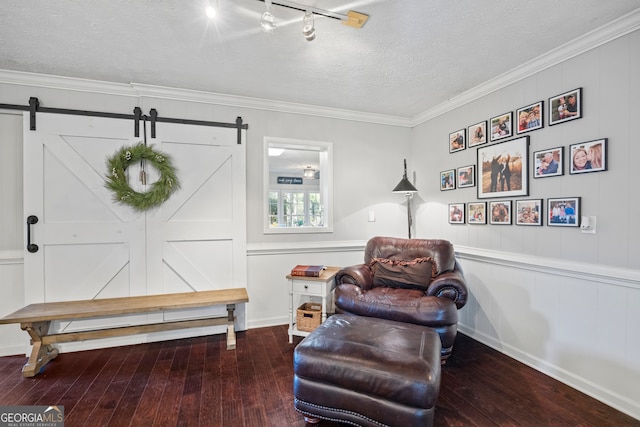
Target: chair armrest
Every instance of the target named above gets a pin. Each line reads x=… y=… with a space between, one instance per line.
x=450 y=284
x=360 y=275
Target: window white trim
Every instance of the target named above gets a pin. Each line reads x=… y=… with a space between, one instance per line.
x=325 y=151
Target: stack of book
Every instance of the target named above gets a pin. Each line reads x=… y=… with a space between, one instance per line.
x=307 y=270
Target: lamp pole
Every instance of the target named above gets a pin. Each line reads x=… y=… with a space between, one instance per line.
x=409 y=222
x=405 y=186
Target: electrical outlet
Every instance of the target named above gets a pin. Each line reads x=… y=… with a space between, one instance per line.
x=588 y=224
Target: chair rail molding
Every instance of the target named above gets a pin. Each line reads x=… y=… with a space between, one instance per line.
x=591 y=272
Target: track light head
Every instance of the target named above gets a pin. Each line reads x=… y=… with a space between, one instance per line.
x=267 y=22
x=308 y=29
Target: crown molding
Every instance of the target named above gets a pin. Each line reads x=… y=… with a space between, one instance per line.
x=591 y=40
x=151 y=91
x=48 y=81
x=140 y=90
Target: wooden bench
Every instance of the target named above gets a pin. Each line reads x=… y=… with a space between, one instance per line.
x=36 y=319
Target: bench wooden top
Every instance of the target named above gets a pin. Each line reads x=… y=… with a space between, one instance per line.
x=68 y=310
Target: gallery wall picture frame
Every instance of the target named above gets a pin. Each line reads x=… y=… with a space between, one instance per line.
x=548 y=162
x=563 y=212
x=477 y=212
x=456 y=213
x=503 y=169
x=477 y=134
x=590 y=156
x=530 y=118
x=457 y=141
x=448 y=180
x=565 y=107
x=500 y=212
x=501 y=126
x=466 y=176
x=529 y=212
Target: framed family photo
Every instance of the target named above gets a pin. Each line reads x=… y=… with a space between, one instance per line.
x=588 y=156
x=563 y=212
x=548 y=162
x=529 y=212
x=456 y=213
x=467 y=176
x=500 y=212
x=457 y=141
x=530 y=117
x=448 y=180
x=566 y=106
x=501 y=126
x=477 y=134
x=477 y=212
x=503 y=169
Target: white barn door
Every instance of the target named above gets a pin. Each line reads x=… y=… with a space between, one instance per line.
x=91 y=247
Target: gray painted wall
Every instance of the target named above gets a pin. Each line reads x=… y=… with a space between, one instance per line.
x=608 y=76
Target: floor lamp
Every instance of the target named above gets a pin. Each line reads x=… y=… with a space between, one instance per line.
x=406 y=187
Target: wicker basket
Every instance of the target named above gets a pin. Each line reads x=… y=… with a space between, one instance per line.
x=308 y=316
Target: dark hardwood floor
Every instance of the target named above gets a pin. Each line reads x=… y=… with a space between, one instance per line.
x=197 y=382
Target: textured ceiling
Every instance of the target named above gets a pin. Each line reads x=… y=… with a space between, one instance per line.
x=411 y=55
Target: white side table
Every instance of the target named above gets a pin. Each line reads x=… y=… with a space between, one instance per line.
x=309 y=286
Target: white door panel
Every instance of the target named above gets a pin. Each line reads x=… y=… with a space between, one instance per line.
x=79 y=227
x=193 y=238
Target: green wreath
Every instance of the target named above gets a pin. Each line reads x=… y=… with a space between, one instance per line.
x=159 y=191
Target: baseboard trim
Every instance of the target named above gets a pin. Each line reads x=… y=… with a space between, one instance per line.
x=597 y=391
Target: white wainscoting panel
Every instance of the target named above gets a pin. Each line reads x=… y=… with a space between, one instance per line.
x=574 y=322
x=12 y=339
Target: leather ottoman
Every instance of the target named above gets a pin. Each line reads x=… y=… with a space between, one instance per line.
x=368 y=372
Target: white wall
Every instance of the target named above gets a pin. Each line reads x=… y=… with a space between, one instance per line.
x=562 y=301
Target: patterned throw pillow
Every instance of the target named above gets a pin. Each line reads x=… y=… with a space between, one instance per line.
x=395 y=273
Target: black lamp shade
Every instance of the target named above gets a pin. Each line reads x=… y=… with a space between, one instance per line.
x=405 y=187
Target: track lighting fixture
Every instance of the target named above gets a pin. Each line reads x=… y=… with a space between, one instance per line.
x=352 y=18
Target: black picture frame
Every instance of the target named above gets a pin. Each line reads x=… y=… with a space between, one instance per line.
x=456 y=213
x=500 y=212
x=501 y=126
x=448 y=180
x=586 y=157
x=477 y=213
x=563 y=212
x=457 y=141
x=565 y=107
x=529 y=212
x=533 y=116
x=548 y=162
x=503 y=169
x=466 y=176
x=477 y=134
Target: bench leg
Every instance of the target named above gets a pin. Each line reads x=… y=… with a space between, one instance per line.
x=231 y=333
x=41 y=354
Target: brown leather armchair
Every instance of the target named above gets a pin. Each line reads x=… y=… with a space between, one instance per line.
x=407 y=280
